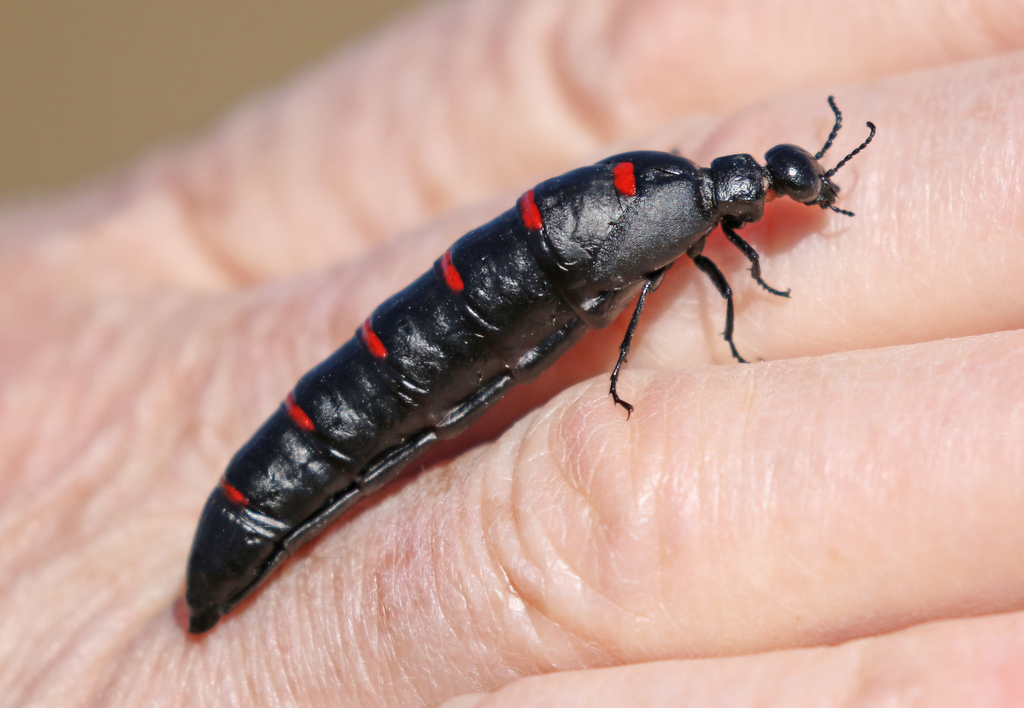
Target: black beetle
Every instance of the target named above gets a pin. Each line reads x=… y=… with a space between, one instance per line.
x=496 y=309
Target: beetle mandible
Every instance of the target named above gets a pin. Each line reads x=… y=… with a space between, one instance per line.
x=496 y=309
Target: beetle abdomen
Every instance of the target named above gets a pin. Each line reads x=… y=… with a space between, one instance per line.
x=423 y=366
x=498 y=307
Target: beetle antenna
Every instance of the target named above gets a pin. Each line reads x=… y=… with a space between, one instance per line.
x=859 y=148
x=835 y=128
x=841 y=211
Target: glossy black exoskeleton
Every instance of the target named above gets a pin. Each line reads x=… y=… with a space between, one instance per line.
x=496 y=309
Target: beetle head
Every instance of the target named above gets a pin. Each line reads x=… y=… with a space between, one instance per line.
x=795 y=173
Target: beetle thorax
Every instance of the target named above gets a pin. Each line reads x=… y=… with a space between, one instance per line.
x=740 y=187
x=610 y=239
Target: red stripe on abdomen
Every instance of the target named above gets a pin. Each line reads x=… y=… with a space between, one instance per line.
x=530 y=213
x=297 y=415
x=625 y=178
x=234 y=496
x=451 y=276
x=373 y=342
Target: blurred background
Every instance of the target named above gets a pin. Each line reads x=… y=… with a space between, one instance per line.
x=87 y=86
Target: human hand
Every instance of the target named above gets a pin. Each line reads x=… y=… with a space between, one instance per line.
x=745 y=520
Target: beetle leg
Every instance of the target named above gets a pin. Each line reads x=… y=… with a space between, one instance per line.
x=652 y=282
x=711 y=270
x=751 y=254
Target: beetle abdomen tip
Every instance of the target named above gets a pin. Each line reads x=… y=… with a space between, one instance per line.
x=200 y=621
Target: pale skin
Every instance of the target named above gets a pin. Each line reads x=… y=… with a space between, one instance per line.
x=837 y=525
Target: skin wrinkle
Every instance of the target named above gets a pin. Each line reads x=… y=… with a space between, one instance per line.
x=462 y=581
x=539 y=608
x=551 y=85
x=105 y=688
x=547 y=543
x=977 y=27
x=456 y=582
x=440 y=581
x=486 y=53
x=399 y=674
x=429 y=186
x=828 y=494
x=438 y=149
x=599 y=520
x=353 y=211
x=311 y=665
x=499 y=566
x=157 y=221
x=544 y=611
x=657 y=490
x=328 y=640
x=439 y=169
x=646 y=495
x=51 y=656
x=751 y=379
x=49 y=416
x=349 y=663
x=576 y=480
x=863 y=683
x=581 y=585
x=836 y=670
x=197 y=212
x=689 y=513
x=653 y=481
x=587 y=109
x=814 y=428
x=761 y=503
x=277 y=645
x=257 y=676
x=692 y=501
x=341 y=170
x=465 y=594
x=97 y=450
x=817 y=498
x=497 y=582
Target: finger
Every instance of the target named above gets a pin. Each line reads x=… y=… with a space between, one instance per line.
x=933 y=251
x=464 y=100
x=487 y=95
x=103 y=448
x=801 y=503
x=301 y=317
x=955 y=663
x=926 y=257
x=294 y=330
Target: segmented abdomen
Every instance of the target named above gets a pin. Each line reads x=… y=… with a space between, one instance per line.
x=423 y=366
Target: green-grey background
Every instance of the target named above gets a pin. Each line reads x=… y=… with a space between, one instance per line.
x=86 y=86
